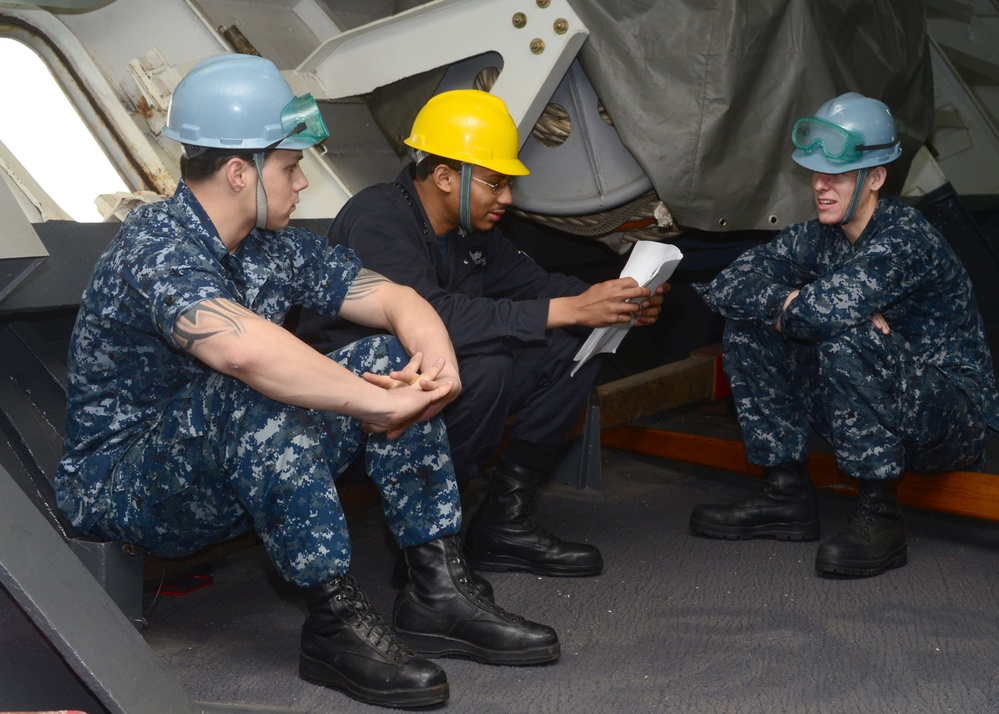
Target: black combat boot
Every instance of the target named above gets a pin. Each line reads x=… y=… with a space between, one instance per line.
x=501 y=535
x=400 y=576
x=874 y=540
x=786 y=509
x=347 y=645
x=440 y=612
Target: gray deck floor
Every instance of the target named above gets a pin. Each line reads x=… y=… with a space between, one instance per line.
x=676 y=623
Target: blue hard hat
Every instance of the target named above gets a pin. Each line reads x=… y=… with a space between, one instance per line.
x=242 y=102
x=849 y=132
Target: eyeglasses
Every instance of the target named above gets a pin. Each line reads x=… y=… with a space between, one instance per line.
x=839 y=144
x=498 y=187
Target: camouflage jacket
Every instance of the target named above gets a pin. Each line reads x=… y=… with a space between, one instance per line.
x=124 y=366
x=900 y=266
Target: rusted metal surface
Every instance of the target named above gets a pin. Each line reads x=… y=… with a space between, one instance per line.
x=238 y=40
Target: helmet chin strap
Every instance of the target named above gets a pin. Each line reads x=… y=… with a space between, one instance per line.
x=465 y=199
x=258 y=160
x=855 y=199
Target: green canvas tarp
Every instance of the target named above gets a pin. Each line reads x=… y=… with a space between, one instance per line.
x=704 y=92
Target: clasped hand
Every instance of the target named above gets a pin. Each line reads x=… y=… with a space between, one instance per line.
x=419 y=395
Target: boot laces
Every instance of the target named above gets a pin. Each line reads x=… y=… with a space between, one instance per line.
x=462 y=577
x=368 y=623
x=751 y=498
x=866 y=514
x=469 y=587
x=461 y=574
x=530 y=524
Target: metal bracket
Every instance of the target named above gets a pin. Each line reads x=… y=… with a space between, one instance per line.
x=537 y=45
x=581 y=466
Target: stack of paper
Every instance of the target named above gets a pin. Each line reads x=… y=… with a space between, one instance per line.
x=650 y=264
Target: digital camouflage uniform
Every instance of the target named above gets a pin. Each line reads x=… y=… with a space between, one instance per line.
x=168 y=454
x=920 y=398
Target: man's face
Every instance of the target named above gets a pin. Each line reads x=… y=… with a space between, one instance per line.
x=488 y=207
x=283 y=180
x=832 y=195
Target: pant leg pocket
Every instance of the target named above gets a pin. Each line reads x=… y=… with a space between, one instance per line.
x=179 y=452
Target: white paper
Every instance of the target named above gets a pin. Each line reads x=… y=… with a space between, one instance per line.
x=651 y=264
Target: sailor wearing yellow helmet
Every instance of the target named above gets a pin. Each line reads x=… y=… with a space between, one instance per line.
x=515 y=327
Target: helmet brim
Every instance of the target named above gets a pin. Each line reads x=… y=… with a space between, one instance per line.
x=508 y=167
x=817 y=161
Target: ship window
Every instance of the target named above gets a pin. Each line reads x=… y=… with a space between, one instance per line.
x=44 y=132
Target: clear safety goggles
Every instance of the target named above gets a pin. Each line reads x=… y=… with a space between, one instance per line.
x=301 y=118
x=839 y=144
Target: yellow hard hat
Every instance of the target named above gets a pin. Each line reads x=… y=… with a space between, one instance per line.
x=470 y=126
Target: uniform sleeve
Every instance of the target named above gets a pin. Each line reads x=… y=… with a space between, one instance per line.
x=382 y=230
x=756 y=284
x=514 y=311
x=885 y=269
x=323 y=273
x=169 y=278
x=512 y=274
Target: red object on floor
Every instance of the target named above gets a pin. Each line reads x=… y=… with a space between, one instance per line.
x=185 y=584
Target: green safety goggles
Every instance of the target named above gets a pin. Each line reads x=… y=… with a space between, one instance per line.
x=301 y=119
x=839 y=144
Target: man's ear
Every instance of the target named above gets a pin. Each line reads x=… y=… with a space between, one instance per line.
x=876 y=177
x=239 y=173
x=445 y=178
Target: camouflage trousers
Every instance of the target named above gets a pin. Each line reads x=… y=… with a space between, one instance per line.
x=882 y=410
x=224 y=460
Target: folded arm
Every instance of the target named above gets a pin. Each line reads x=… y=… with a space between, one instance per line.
x=235 y=341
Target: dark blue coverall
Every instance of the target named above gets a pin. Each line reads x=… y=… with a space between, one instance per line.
x=494 y=301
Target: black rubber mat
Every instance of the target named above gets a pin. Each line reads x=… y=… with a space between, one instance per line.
x=676 y=623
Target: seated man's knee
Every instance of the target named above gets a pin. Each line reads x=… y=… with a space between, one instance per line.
x=486 y=378
x=859 y=350
x=378 y=354
x=863 y=366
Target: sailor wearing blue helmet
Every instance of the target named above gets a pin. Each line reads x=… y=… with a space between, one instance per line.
x=861 y=324
x=194 y=416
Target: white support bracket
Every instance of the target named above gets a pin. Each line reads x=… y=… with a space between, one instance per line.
x=537 y=40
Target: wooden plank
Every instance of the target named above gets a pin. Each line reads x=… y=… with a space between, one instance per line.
x=963 y=493
x=646 y=393
x=655 y=390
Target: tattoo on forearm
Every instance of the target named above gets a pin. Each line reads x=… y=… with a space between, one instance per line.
x=364 y=284
x=207 y=319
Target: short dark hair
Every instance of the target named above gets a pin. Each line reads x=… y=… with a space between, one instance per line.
x=430 y=162
x=204 y=164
